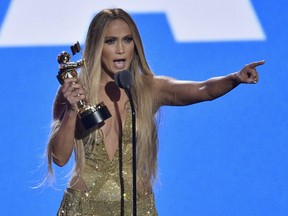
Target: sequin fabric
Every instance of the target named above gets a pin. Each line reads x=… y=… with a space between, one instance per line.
x=102 y=179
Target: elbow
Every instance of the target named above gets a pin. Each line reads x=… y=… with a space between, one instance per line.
x=206 y=95
x=209 y=98
x=60 y=162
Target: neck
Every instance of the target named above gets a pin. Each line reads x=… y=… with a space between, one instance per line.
x=106 y=77
x=114 y=93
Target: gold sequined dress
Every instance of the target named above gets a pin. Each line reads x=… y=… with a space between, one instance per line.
x=102 y=179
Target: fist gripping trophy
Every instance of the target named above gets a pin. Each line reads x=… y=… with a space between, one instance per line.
x=90 y=116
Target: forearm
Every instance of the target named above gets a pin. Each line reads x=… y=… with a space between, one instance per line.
x=63 y=142
x=219 y=86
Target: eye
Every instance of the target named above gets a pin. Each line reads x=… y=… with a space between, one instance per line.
x=128 y=39
x=110 y=41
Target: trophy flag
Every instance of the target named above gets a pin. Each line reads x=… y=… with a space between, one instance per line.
x=76 y=48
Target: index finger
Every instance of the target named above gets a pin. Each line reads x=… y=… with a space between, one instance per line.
x=256 y=64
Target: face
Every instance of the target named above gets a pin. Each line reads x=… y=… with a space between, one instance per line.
x=118 y=47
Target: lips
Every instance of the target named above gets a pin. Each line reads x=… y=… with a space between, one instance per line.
x=119 y=63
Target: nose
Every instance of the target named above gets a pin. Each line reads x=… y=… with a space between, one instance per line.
x=119 y=49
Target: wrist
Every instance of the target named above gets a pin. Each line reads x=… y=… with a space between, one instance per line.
x=236 y=78
x=71 y=110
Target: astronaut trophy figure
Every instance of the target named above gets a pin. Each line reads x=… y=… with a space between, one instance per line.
x=90 y=116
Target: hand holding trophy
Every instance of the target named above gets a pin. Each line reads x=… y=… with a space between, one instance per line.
x=90 y=115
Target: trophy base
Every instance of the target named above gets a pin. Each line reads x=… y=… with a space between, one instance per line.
x=94 y=116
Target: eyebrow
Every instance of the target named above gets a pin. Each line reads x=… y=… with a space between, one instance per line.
x=114 y=37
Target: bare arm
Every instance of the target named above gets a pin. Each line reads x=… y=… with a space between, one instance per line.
x=179 y=93
x=65 y=109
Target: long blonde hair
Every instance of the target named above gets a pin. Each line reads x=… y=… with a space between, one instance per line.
x=142 y=92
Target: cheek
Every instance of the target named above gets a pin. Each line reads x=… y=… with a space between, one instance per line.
x=107 y=51
x=105 y=56
x=131 y=52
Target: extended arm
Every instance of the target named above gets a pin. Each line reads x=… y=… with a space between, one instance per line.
x=179 y=93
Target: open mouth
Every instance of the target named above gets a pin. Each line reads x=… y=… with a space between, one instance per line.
x=119 y=63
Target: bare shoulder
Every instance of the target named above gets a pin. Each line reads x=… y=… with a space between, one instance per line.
x=161 y=82
x=162 y=86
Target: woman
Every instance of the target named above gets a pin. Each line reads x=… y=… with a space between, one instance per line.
x=113 y=44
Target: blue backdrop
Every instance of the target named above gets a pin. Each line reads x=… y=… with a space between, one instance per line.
x=228 y=157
